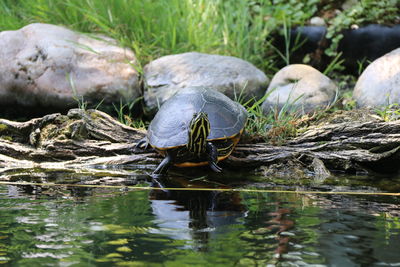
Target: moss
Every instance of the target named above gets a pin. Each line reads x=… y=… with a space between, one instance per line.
x=3 y=127
x=77 y=130
x=6 y=137
x=94 y=115
x=49 y=132
x=61 y=119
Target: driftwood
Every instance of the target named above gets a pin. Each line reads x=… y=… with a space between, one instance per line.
x=82 y=139
x=347 y=146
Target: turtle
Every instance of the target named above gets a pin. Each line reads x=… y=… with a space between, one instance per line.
x=195 y=127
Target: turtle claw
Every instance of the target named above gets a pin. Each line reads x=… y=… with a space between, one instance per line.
x=215 y=167
x=143 y=144
x=162 y=168
x=157 y=176
x=213 y=157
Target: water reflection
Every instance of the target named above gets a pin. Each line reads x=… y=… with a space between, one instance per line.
x=355 y=235
x=281 y=224
x=195 y=216
x=67 y=225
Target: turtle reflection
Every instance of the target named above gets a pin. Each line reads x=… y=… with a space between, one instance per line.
x=195 y=216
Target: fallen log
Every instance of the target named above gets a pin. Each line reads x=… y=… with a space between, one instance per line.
x=85 y=138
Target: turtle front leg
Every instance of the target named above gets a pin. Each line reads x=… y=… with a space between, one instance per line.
x=212 y=154
x=163 y=166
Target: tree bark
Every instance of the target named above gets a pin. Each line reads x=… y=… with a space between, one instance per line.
x=93 y=138
x=348 y=146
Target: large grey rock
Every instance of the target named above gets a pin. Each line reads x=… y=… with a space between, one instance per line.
x=379 y=84
x=304 y=88
x=231 y=76
x=39 y=61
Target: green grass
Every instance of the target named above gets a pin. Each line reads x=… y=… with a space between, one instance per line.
x=152 y=28
x=155 y=28
x=390 y=111
x=124 y=113
x=79 y=99
x=280 y=124
x=274 y=126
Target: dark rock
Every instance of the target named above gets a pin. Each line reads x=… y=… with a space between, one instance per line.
x=305 y=40
x=358 y=46
x=367 y=43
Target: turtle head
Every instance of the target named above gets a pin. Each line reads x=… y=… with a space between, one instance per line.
x=199 y=129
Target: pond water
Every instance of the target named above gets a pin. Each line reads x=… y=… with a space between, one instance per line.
x=258 y=224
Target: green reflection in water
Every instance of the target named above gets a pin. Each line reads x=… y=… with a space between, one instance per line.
x=103 y=227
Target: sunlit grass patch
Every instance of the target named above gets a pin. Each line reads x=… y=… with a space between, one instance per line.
x=157 y=28
x=274 y=125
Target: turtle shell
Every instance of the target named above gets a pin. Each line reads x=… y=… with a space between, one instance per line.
x=169 y=128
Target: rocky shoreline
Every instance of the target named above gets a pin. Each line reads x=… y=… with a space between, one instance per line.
x=52 y=67
x=350 y=142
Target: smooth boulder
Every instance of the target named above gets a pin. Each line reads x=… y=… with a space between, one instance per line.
x=232 y=76
x=301 y=88
x=49 y=66
x=379 y=84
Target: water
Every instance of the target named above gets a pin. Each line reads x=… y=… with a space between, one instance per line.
x=115 y=226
